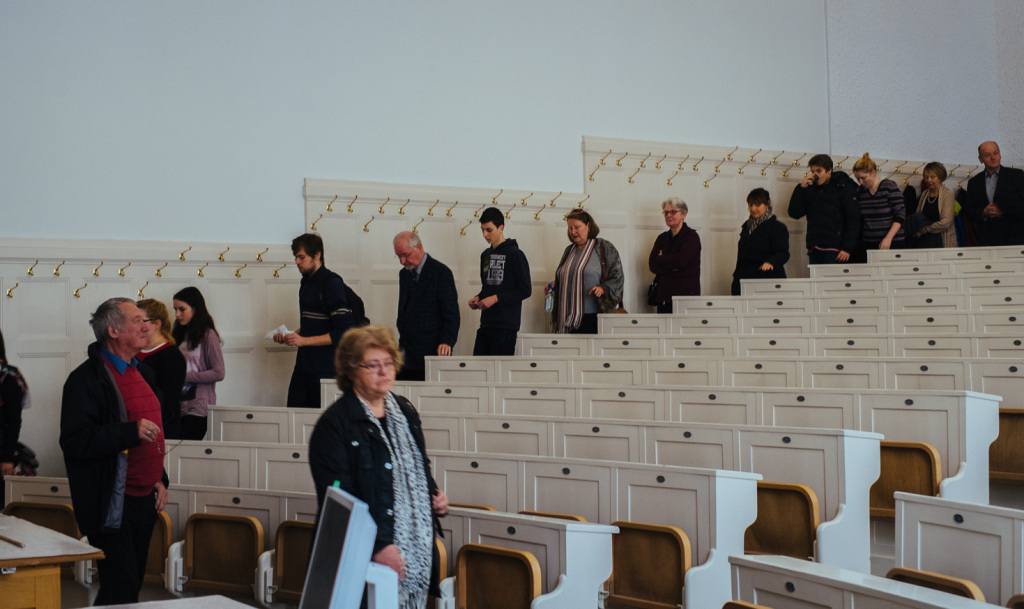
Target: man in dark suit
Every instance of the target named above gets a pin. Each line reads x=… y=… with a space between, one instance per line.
x=428 y=306
x=995 y=200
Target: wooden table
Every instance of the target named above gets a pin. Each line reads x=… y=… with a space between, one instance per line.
x=30 y=576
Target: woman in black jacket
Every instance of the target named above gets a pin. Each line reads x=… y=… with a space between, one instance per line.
x=764 y=243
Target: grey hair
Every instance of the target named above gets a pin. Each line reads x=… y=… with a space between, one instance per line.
x=410 y=238
x=675 y=202
x=108 y=314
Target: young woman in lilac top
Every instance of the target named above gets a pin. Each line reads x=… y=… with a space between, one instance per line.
x=882 y=210
x=197 y=337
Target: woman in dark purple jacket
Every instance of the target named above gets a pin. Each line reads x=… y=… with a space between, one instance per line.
x=675 y=257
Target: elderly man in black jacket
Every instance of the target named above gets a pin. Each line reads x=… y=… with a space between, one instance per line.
x=428 y=306
x=113 y=444
x=995 y=199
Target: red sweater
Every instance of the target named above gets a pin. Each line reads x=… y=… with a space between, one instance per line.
x=146 y=461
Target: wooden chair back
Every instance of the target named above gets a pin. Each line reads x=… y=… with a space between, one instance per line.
x=221 y=552
x=58 y=517
x=472 y=506
x=910 y=467
x=560 y=516
x=787 y=521
x=292 y=548
x=649 y=564
x=1016 y=601
x=743 y=605
x=441 y=565
x=491 y=577
x=1006 y=454
x=937 y=581
x=159 y=544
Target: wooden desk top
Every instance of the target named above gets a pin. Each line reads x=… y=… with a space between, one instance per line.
x=194 y=602
x=42 y=546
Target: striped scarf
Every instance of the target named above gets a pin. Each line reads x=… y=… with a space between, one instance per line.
x=752 y=223
x=571 y=288
x=413 y=510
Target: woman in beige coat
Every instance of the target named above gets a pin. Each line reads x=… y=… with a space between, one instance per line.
x=937 y=204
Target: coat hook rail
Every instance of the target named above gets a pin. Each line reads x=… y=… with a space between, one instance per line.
x=78 y=291
x=604 y=157
x=448 y=212
x=430 y=212
x=462 y=231
x=120 y=271
x=259 y=256
x=200 y=271
x=220 y=256
x=56 y=271
x=96 y=271
x=141 y=294
x=669 y=181
x=32 y=269
x=160 y=271
x=618 y=161
x=657 y=164
x=351 y=203
x=330 y=208
x=644 y=160
x=181 y=255
x=380 y=210
x=552 y=201
x=401 y=210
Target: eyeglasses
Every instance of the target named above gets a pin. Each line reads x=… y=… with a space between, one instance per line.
x=376 y=367
x=671 y=212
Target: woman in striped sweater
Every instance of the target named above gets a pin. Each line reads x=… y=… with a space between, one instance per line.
x=882 y=210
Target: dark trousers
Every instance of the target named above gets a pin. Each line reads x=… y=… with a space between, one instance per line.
x=193 y=427
x=588 y=325
x=495 y=341
x=411 y=374
x=122 y=570
x=665 y=307
x=304 y=390
x=821 y=257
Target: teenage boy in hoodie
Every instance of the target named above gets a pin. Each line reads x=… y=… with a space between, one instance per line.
x=505 y=275
x=833 y=218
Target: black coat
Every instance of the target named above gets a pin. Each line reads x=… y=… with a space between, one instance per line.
x=768 y=243
x=1009 y=197
x=833 y=217
x=428 y=312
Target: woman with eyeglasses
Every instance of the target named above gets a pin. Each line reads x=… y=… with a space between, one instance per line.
x=197 y=337
x=589 y=278
x=675 y=257
x=370 y=444
x=764 y=243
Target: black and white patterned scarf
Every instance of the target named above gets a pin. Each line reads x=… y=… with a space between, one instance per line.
x=752 y=223
x=413 y=510
x=571 y=287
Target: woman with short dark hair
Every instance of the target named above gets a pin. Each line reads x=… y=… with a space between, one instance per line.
x=763 y=248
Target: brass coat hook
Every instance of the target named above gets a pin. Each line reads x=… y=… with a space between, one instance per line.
x=766 y=167
x=634 y=174
x=380 y=209
x=644 y=160
x=914 y=172
x=416 y=226
x=657 y=164
x=709 y=180
x=350 y=203
x=720 y=164
x=755 y=154
x=494 y=199
x=775 y=158
x=839 y=165
x=476 y=214
x=536 y=216
x=680 y=165
x=56 y=271
x=31 y=270
x=200 y=271
x=523 y=200
x=220 y=256
x=96 y=271
x=970 y=172
x=401 y=210
x=181 y=255
x=552 y=201
x=591 y=176
x=740 y=170
x=330 y=208
x=141 y=294
x=462 y=231
x=448 y=212
x=669 y=181
x=796 y=162
x=120 y=271
x=278 y=269
x=366 y=227
x=509 y=212
x=579 y=205
x=10 y=291
x=618 y=161
x=698 y=163
x=430 y=212
x=954 y=169
x=79 y=290
x=160 y=271
x=259 y=256
x=604 y=157
x=312 y=226
x=238 y=271
x=728 y=157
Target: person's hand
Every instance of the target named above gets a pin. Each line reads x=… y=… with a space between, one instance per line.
x=885 y=244
x=148 y=430
x=842 y=256
x=444 y=350
x=808 y=180
x=391 y=556
x=767 y=266
x=440 y=503
x=161 y=496
x=597 y=291
x=488 y=302
x=925 y=230
x=7 y=469
x=992 y=211
x=294 y=339
x=474 y=303
x=279 y=337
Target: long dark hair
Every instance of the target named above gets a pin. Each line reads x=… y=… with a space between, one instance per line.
x=191 y=335
x=3 y=349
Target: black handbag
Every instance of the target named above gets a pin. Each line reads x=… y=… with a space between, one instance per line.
x=652 y=293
